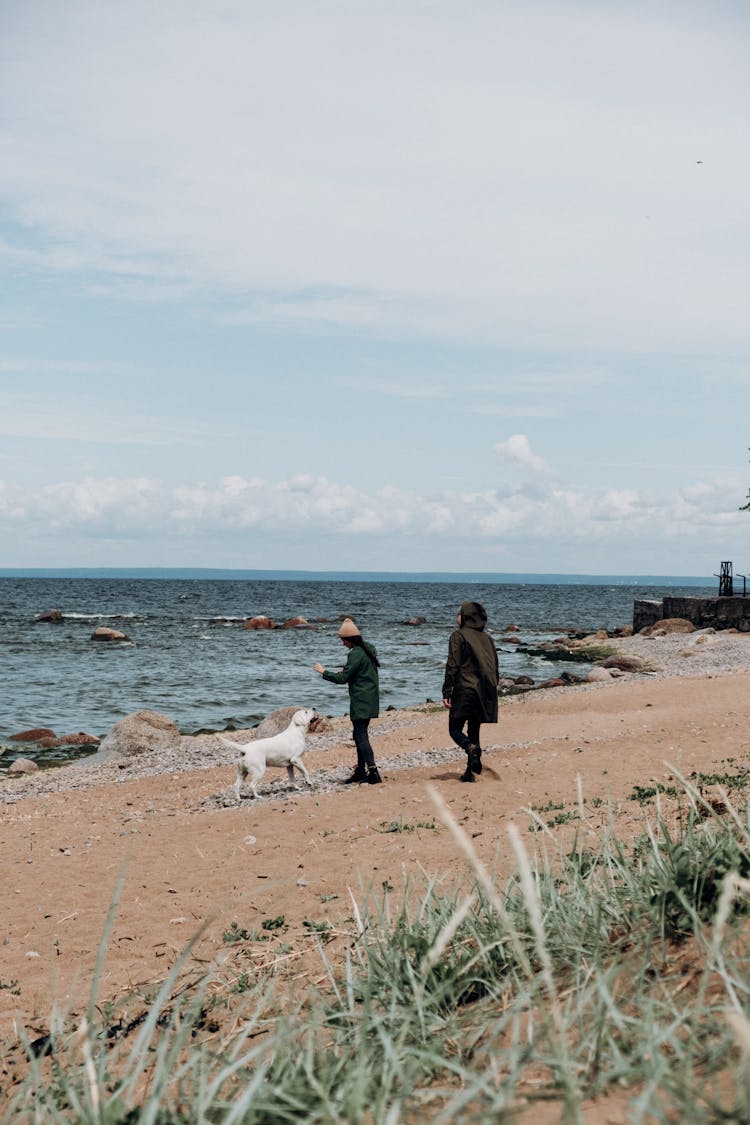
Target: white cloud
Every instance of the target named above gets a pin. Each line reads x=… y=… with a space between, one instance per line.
x=621 y=504
x=312 y=244
x=452 y=171
x=516 y=450
x=300 y=507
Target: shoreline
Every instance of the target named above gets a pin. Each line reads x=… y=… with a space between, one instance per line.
x=190 y=859
x=191 y=658
x=674 y=655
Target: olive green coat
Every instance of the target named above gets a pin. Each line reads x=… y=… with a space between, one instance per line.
x=361 y=676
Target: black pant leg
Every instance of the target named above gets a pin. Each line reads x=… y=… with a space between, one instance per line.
x=365 y=756
x=456 y=731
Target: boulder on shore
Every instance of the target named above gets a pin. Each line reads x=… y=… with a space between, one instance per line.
x=594 y=638
x=625 y=662
x=599 y=675
x=23 y=765
x=139 y=733
x=668 y=625
x=280 y=719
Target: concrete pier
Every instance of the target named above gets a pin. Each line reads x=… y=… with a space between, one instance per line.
x=716 y=613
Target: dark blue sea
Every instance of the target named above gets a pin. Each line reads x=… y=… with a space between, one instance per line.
x=188 y=657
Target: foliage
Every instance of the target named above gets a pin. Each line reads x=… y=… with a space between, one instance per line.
x=591 y=971
x=690 y=874
x=235 y=933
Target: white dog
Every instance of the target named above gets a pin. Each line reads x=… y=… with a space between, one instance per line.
x=283 y=749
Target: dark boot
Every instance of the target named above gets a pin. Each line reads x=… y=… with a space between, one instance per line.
x=359 y=775
x=373 y=777
x=468 y=776
x=475 y=758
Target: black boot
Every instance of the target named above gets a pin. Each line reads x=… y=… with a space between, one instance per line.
x=475 y=758
x=467 y=776
x=359 y=775
x=373 y=777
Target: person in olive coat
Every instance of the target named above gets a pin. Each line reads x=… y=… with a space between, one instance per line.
x=360 y=673
x=470 y=684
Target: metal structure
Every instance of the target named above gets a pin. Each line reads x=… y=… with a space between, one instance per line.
x=744 y=583
x=726 y=584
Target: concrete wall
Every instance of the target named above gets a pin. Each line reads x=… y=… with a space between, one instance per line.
x=646 y=613
x=717 y=613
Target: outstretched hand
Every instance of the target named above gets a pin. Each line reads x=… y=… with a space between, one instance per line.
x=318 y=668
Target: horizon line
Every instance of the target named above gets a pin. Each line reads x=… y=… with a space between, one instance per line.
x=342 y=575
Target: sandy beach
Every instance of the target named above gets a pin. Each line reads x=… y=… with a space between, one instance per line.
x=190 y=859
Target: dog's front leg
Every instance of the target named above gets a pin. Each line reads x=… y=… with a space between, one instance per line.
x=305 y=774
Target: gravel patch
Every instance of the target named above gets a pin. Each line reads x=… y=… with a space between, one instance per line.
x=702 y=653
x=199 y=752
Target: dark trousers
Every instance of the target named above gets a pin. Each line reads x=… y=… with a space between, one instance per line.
x=365 y=756
x=456 y=731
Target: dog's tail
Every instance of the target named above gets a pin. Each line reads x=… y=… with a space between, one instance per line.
x=240 y=746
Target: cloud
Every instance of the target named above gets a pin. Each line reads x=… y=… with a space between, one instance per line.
x=413 y=388
x=618 y=505
x=354 y=310
x=242 y=510
x=60 y=415
x=275 y=223
x=517 y=451
x=501 y=411
x=380 y=169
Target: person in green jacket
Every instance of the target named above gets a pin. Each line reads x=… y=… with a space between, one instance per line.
x=360 y=673
x=470 y=684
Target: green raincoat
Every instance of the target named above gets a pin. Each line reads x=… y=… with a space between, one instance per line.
x=361 y=676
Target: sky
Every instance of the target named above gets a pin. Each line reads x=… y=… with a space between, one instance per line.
x=406 y=286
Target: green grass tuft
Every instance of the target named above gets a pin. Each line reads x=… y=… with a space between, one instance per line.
x=613 y=968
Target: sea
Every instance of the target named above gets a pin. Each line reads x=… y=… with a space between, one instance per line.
x=188 y=656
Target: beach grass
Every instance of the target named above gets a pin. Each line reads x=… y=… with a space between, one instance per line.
x=601 y=969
